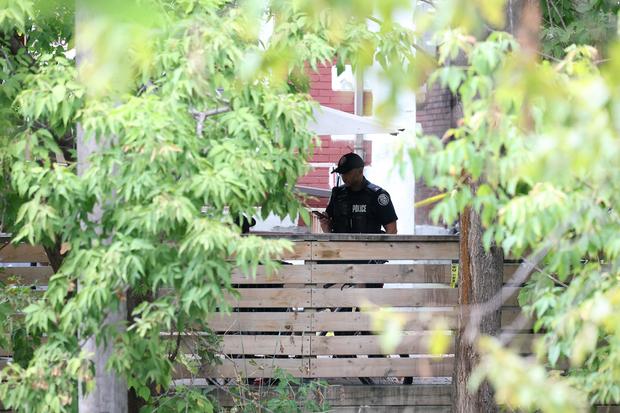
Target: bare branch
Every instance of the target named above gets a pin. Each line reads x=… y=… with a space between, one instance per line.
x=554 y=279
x=415 y=46
x=202 y=116
x=511 y=330
x=549 y=11
x=549 y=57
x=476 y=312
x=559 y=14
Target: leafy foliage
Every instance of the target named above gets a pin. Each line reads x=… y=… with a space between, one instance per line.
x=534 y=154
x=568 y=22
x=286 y=394
x=13 y=336
x=197 y=120
x=200 y=120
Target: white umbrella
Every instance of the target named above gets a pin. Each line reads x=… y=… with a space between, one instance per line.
x=328 y=121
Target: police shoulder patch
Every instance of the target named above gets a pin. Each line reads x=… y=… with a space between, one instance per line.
x=383 y=199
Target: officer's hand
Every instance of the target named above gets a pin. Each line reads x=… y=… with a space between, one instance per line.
x=326 y=225
x=324 y=220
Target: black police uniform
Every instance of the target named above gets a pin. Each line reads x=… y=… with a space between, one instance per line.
x=361 y=212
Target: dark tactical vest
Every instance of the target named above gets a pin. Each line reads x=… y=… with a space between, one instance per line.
x=356 y=212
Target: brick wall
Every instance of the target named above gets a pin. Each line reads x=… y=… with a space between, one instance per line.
x=330 y=150
x=434 y=110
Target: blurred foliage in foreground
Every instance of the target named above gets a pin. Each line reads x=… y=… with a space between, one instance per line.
x=537 y=153
x=198 y=108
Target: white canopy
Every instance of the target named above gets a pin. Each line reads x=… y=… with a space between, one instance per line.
x=309 y=190
x=328 y=121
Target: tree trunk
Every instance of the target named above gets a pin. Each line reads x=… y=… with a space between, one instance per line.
x=482 y=272
x=480 y=279
x=110 y=392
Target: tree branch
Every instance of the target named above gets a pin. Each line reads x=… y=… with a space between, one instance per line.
x=476 y=312
x=415 y=46
x=559 y=14
x=202 y=116
x=172 y=357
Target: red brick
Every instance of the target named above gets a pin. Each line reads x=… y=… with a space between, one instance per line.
x=321 y=99
x=322 y=85
x=320 y=158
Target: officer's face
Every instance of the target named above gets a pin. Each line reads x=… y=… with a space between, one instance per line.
x=352 y=177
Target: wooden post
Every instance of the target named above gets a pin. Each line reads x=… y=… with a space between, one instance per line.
x=110 y=392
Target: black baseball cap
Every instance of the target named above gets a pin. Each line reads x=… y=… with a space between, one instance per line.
x=348 y=162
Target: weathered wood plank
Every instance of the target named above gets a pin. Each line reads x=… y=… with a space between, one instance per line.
x=326 y=367
x=304 y=274
x=384 y=297
x=261 y=321
x=368 y=408
x=271 y=297
x=411 y=320
x=302 y=250
x=251 y=368
x=358 y=237
x=510 y=318
x=358 y=395
x=357 y=274
x=376 y=273
x=347 y=297
x=389 y=395
x=510 y=296
x=360 y=250
x=381 y=367
x=22 y=253
x=295 y=321
x=293 y=274
x=265 y=345
x=391 y=273
x=27 y=275
x=521 y=342
x=410 y=343
x=415 y=342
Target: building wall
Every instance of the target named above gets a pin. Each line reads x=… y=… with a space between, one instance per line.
x=434 y=110
x=330 y=151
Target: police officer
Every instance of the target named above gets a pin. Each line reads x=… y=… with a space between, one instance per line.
x=358 y=206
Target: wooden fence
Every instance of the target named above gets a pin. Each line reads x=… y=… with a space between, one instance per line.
x=291 y=321
x=305 y=334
